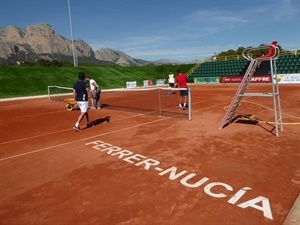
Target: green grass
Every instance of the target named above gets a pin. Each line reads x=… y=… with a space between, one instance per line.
x=19 y=81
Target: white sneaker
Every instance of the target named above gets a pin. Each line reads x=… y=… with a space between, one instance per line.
x=77 y=129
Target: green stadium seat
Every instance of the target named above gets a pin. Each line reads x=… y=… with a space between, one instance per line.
x=279 y=63
x=288 y=56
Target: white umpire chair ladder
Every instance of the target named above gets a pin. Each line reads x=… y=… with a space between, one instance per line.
x=273 y=54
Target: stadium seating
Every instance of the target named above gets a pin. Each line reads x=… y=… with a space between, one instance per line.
x=288 y=64
x=220 y=68
x=285 y=65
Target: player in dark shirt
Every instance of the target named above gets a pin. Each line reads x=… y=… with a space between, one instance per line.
x=80 y=94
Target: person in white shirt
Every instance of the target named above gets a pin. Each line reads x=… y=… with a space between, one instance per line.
x=95 y=91
x=171 y=82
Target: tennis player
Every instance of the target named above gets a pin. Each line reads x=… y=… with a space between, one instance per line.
x=95 y=93
x=171 y=81
x=181 y=82
x=80 y=94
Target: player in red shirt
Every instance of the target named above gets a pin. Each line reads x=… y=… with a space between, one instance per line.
x=181 y=82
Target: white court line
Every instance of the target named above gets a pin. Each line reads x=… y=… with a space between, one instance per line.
x=99 y=135
x=212 y=106
x=61 y=131
x=56 y=132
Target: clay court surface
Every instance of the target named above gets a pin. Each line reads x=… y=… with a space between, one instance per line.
x=136 y=167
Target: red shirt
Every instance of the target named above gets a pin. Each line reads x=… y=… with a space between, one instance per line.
x=181 y=80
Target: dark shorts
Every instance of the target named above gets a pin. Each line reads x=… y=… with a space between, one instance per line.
x=97 y=94
x=184 y=92
x=171 y=85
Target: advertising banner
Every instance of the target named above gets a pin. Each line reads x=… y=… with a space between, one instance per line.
x=147 y=83
x=131 y=84
x=160 y=82
x=288 y=78
x=207 y=80
x=238 y=79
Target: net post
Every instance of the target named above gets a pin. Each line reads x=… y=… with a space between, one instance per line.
x=159 y=102
x=189 y=104
x=49 y=92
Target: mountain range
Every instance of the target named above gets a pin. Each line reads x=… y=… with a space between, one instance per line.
x=42 y=42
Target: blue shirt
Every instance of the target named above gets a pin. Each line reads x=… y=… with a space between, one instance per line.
x=80 y=89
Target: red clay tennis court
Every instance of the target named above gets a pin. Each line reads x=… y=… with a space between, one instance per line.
x=138 y=167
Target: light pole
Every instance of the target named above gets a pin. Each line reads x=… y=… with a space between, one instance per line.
x=73 y=47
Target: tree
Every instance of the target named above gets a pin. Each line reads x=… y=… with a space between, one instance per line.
x=56 y=63
x=254 y=54
x=43 y=62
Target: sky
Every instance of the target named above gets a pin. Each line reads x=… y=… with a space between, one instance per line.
x=183 y=30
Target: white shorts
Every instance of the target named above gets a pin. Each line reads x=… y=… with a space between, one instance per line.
x=83 y=105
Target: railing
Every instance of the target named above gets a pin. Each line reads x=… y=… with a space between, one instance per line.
x=195 y=67
x=273 y=52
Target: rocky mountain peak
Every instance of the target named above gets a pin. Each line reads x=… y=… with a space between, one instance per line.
x=117 y=57
x=41 y=41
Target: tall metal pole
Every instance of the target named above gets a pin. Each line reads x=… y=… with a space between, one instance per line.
x=72 y=39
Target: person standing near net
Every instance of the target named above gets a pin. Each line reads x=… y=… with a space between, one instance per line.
x=171 y=82
x=95 y=93
x=80 y=94
x=181 y=82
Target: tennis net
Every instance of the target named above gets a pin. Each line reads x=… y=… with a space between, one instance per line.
x=150 y=100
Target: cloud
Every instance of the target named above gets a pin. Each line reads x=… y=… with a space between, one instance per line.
x=200 y=33
x=287 y=10
x=129 y=43
x=216 y=17
x=281 y=10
